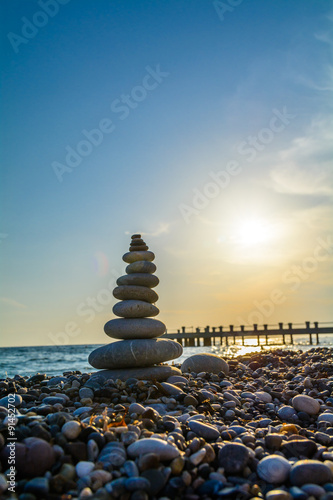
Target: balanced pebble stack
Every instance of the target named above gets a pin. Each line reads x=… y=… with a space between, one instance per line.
x=139 y=352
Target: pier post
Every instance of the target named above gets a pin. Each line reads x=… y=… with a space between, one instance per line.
x=281 y=328
x=290 y=326
x=317 y=334
x=206 y=338
x=307 y=325
x=266 y=336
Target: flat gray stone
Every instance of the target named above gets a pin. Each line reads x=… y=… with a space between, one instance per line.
x=206 y=431
x=309 y=405
x=314 y=471
x=205 y=363
x=129 y=292
x=138 y=248
x=135 y=309
x=137 y=352
x=139 y=279
x=130 y=257
x=141 y=266
x=162 y=449
x=157 y=372
x=134 y=328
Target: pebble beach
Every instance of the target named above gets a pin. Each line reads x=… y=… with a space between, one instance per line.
x=260 y=428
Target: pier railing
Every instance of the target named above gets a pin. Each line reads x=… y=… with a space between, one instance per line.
x=220 y=335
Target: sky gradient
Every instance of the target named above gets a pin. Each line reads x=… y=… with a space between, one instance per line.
x=205 y=126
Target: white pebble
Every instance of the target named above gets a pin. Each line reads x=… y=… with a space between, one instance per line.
x=83 y=468
x=71 y=429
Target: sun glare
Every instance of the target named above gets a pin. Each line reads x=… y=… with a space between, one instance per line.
x=253 y=232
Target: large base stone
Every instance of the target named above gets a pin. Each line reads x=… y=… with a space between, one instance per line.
x=157 y=372
x=136 y=352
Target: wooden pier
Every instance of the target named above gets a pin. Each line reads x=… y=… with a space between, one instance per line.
x=210 y=336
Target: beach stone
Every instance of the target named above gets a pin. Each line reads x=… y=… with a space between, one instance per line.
x=305 y=403
x=3 y=483
x=135 y=236
x=162 y=449
x=113 y=453
x=138 y=279
x=273 y=441
x=130 y=257
x=138 y=248
x=83 y=468
x=38 y=486
x=278 y=495
x=134 y=352
x=134 y=309
x=86 y=392
x=299 y=448
x=71 y=429
x=206 y=431
x=134 y=328
x=274 y=469
x=263 y=396
x=141 y=266
x=205 y=363
x=233 y=457
x=313 y=489
x=304 y=471
x=326 y=417
x=33 y=456
x=171 y=389
x=129 y=292
x=156 y=480
x=286 y=412
x=157 y=372
x=5 y=401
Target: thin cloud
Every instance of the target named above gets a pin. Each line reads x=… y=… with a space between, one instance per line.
x=12 y=302
x=305 y=167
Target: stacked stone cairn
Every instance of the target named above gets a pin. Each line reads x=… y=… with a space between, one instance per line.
x=140 y=352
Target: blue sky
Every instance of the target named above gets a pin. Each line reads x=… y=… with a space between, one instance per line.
x=201 y=84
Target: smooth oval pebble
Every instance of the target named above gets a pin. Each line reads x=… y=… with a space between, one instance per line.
x=129 y=292
x=305 y=403
x=263 y=396
x=138 y=279
x=134 y=309
x=204 y=430
x=162 y=449
x=83 y=468
x=326 y=417
x=274 y=469
x=205 y=363
x=141 y=266
x=278 y=495
x=71 y=429
x=304 y=471
x=134 y=328
x=130 y=257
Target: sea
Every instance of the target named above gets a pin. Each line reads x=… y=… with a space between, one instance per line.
x=56 y=359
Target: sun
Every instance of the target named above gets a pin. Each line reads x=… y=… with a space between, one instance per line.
x=251 y=232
